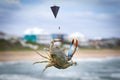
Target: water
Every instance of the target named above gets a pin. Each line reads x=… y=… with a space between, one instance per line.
x=87 y=69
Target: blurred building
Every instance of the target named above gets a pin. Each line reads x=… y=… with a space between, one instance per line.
x=9 y=37
x=58 y=36
x=43 y=38
x=37 y=35
x=105 y=43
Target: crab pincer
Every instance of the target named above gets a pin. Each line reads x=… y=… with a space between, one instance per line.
x=72 y=52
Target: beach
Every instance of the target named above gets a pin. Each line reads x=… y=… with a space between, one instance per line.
x=32 y=56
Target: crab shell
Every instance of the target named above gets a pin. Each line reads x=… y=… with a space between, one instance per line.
x=59 y=58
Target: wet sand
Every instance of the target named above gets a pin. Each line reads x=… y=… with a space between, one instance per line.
x=32 y=56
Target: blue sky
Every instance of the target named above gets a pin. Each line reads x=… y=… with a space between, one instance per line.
x=92 y=18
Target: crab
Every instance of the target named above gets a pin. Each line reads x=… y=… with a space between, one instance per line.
x=57 y=57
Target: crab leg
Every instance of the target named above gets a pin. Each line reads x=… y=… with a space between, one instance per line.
x=48 y=54
x=40 y=62
x=42 y=55
x=70 y=53
x=48 y=65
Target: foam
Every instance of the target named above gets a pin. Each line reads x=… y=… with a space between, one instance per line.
x=98 y=59
x=60 y=74
x=13 y=62
x=16 y=77
x=115 y=75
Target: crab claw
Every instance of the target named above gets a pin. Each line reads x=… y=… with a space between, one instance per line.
x=57 y=40
x=53 y=41
x=76 y=43
x=72 y=41
x=71 y=53
x=60 y=40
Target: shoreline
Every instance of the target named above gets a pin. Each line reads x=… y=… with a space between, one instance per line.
x=32 y=56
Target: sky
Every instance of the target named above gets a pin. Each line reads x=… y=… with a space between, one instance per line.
x=92 y=18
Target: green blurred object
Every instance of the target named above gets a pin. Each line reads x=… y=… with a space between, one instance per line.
x=31 y=38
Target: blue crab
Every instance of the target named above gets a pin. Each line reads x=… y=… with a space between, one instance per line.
x=57 y=57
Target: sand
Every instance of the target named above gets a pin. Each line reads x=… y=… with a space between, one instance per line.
x=32 y=56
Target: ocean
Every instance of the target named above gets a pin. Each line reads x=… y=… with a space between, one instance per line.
x=86 y=69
